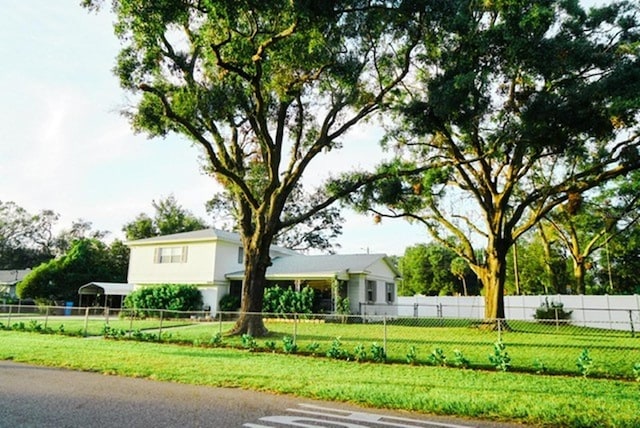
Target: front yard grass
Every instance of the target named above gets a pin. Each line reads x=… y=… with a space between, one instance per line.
x=557 y=401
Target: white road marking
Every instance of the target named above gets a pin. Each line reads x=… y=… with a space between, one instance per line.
x=334 y=417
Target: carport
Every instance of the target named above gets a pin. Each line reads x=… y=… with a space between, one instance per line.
x=113 y=292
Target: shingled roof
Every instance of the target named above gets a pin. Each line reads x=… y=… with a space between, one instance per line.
x=321 y=266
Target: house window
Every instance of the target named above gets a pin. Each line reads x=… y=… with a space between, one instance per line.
x=240 y=255
x=171 y=255
x=390 y=288
x=371 y=291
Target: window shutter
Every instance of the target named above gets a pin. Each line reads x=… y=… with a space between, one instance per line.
x=184 y=254
x=156 y=255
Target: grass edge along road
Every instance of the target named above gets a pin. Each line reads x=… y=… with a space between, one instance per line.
x=533 y=399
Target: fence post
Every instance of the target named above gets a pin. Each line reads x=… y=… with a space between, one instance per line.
x=633 y=333
x=384 y=334
x=9 y=319
x=86 y=321
x=46 y=317
x=555 y=310
x=415 y=310
x=131 y=313
x=295 y=327
x=160 y=329
x=220 y=323
x=499 y=322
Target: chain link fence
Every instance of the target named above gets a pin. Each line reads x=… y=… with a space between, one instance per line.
x=553 y=346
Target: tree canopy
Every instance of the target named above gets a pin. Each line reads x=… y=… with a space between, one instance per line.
x=523 y=106
x=169 y=217
x=87 y=260
x=316 y=233
x=263 y=88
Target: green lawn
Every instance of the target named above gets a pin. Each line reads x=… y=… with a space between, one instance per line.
x=549 y=350
x=528 y=398
x=532 y=347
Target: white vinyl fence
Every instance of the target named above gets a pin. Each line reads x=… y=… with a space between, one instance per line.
x=613 y=312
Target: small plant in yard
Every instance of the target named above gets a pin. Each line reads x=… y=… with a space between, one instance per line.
x=109 y=332
x=459 y=360
x=636 y=372
x=144 y=337
x=289 y=345
x=35 y=326
x=313 y=347
x=412 y=356
x=336 y=351
x=377 y=353
x=437 y=357
x=584 y=363
x=248 y=342
x=270 y=345
x=216 y=340
x=500 y=357
x=539 y=366
x=360 y=353
x=19 y=326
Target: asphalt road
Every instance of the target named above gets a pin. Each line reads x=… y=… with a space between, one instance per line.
x=47 y=397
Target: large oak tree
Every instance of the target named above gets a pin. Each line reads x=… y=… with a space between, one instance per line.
x=525 y=105
x=264 y=88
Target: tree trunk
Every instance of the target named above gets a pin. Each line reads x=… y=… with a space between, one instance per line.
x=256 y=262
x=578 y=275
x=493 y=276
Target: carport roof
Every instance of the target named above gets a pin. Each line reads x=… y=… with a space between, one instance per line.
x=106 y=288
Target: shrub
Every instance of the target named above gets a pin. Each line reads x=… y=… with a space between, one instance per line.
x=360 y=353
x=552 y=311
x=289 y=345
x=248 y=342
x=500 y=358
x=336 y=351
x=412 y=355
x=377 y=353
x=229 y=303
x=584 y=362
x=459 y=360
x=173 y=297
x=437 y=357
x=279 y=300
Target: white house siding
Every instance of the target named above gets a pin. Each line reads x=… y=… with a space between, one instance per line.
x=197 y=269
x=225 y=261
x=355 y=292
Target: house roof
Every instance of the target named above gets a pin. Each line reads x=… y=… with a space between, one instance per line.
x=320 y=267
x=203 y=235
x=13 y=276
x=106 y=288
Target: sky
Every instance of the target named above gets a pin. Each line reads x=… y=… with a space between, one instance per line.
x=65 y=147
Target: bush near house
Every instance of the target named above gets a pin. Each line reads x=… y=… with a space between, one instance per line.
x=552 y=311
x=279 y=300
x=229 y=303
x=173 y=297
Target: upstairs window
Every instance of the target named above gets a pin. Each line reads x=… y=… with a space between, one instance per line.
x=240 y=255
x=171 y=255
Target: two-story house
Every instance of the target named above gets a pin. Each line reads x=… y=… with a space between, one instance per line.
x=213 y=260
